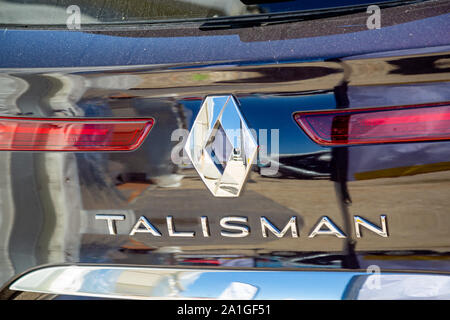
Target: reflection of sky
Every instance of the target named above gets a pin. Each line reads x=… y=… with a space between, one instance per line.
x=231 y=123
x=275 y=112
x=100 y=281
x=276 y=285
x=194 y=106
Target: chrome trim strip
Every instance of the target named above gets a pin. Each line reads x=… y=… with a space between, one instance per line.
x=179 y=283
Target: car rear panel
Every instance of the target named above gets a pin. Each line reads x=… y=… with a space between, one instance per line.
x=55 y=205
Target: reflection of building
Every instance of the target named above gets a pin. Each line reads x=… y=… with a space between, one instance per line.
x=39 y=192
x=93 y=12
x=11 y=89
x=226 y=8
x=44 y=188
x=36 y=13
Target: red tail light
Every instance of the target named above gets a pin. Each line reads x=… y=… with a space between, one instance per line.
x=54 y=134
x=377 y=125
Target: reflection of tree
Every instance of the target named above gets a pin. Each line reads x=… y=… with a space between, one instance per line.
x=419 y=65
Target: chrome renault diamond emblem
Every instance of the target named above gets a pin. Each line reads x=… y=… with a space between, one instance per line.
x=221 y=146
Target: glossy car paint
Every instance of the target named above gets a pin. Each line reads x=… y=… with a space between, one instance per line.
x=49 y=200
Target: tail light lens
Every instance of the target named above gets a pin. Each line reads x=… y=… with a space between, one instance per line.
x=54 y=134
x=380 y=125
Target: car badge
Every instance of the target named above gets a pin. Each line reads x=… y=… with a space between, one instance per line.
x=221 y=146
